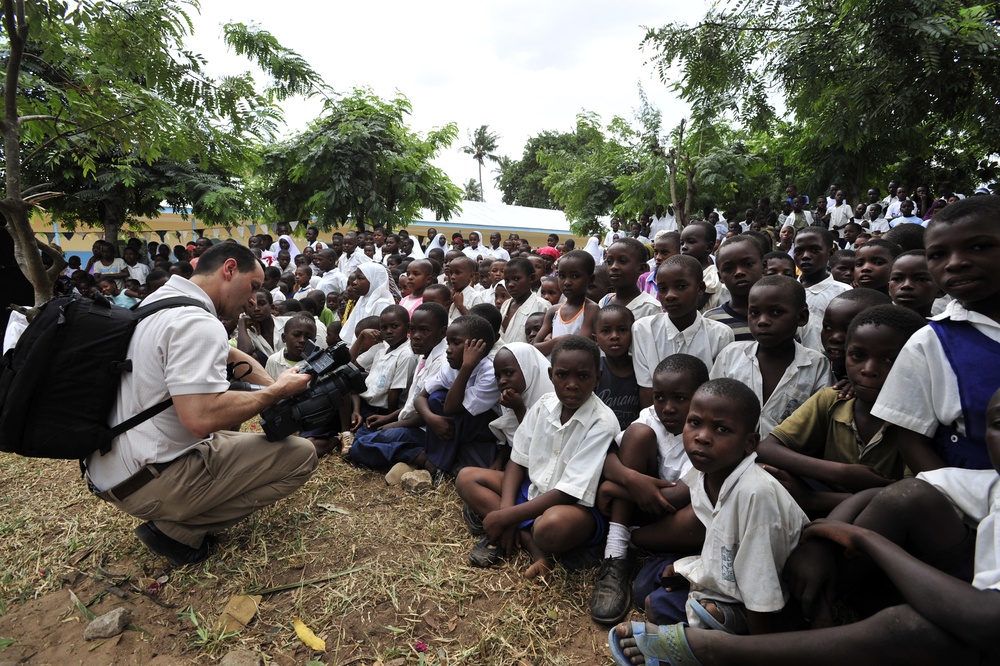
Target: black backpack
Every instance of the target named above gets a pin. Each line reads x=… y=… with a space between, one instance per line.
x=60 y=382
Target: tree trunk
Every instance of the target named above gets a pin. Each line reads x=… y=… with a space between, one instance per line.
x=482 y=196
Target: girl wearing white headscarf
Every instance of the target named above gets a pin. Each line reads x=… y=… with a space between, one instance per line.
x=370 y=302
x=535 y=371
x=293 y=249
x=594 y=249
x=440 y=241
x=478 y=251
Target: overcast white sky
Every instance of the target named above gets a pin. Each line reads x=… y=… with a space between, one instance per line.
x=519 y=66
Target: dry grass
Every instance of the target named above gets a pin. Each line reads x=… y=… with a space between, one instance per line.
x=397 y=562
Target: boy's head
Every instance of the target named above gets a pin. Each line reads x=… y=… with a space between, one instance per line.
x=779 y=263
x=297 y=330
x=600 y=286
x=532 y=325
x=549 y=289
x=613 y=330
x=741 y=264
x=302 y=275
x=872 y=263
x=575 y=275
x=108 y=287
x=552 y=240
x=333 y=299
x=776 y=309
x=851 y=231
x=839 y=314
x=538 y=264
x=575 y=371
x=675 y=381
x=842 y=266
x=874 y=340
x=812 y=249
x=907 y=236
x=129 y=255
x=428 y=326
x=420 y=274
x=467 y=329
x=394 y=324
x=460 y=272
x=156 y=279
x=963 y=252
x=366 y=324
x=496 y=271
x=626 y=261
x=271 y=276
x=698 y=239
x=910 y=283
x=680 y=284
x=438 y=293
x=666 y=245
x=721 y=427
x=519 y=275
x=490 y=313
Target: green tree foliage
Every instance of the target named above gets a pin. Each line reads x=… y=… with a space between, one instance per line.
x=472 y=191
x=482 y=146
x=359 y=161
x=522 y=181
x=872 y=86
x=93 y=84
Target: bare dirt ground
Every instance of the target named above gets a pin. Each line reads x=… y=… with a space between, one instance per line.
x=381 y=575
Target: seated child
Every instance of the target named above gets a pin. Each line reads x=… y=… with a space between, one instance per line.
x=740 y=263
x=836 y=441
x=780 y=371
x=546 y=494
x=911 y=285
x=438 y=293
x=842 y=266
x=665 y=245
x=533 y=326
x=812 y=249
x=574 y=316
x=873 y=262
x=390 y=365
x=625 y=261
x=617 y=387
x=460 y=401
x=420 y=275
x=463 y=294
x=698 y=241
x=649 y=458
x=680 y=328
x=933 y=614
x=297 y=330
x=938 y=388
x=600 y=287
x=549 y=288
x=779 y=263
x=491 y=314
x=519 y=281
x=500 y=295
x=839 y=314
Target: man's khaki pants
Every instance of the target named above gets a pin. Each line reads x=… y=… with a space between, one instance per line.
x=221 y=482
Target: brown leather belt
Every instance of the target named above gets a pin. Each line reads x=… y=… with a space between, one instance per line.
x=132 y=484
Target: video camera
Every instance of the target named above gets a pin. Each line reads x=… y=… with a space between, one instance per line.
x=335 y=377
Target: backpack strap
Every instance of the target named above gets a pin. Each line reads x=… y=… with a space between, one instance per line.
x=141 y=313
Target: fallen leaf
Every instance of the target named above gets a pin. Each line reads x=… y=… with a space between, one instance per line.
x=239 y=611
x=87 y=613
x=334 y=509
x=431 y=622
x=306 y=635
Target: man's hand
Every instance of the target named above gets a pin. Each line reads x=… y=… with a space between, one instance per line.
x=290 y=382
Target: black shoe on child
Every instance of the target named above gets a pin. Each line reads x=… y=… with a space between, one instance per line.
x=485 y=555
x=612 y=598
x=472 y=521
x=177 y=553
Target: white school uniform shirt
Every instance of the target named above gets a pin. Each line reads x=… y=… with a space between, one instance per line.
x=332 y=280
x=808 y=372
x=839 y=217
x=348 y=263
x=425 y=369
x=515 y=328
x=820 y=294
x=470 y=297
x=672 y=461
x=642 y=306
x=655 y=338
x=881 y=225
x=481 y=393
x=565 y=456
x=138 y=272
x=976 y=494
x=277 y=364
x=749 y=534
x=664 y=224
x=388 y=369
x=496 y=253
x=921 y=390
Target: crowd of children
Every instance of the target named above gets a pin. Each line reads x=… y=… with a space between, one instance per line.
x=689 y=401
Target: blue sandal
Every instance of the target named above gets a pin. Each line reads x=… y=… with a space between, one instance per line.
x=734 y=616
x=667 y=647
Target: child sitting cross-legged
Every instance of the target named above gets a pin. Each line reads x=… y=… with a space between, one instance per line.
x=837 y=441
x=751 y=526
x=575 y=316
x=390 y=363
x=649 y=458
x=680 y=328
x=544 y=500
x=782 y=372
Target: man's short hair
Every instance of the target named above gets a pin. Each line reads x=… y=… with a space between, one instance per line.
x=214 y=257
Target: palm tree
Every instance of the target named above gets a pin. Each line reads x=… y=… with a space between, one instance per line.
x=473 y=191
x=482 y=144
x=504 y=162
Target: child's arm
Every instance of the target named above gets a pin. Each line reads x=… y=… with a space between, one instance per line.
x=355 y=411
x=969 y=614
x=851 y=478
x=243 y=342
x=502 y=531
x=475 y=351
x=367 y=339
x=643 y=489
x=442 y=426
x=544 y=341
x=377 y=421
x=918 y=452
x=393 y=399
x=590 y=311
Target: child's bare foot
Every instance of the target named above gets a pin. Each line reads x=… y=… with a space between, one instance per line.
x=635 y=642
x=539 y=569
x=323 y=446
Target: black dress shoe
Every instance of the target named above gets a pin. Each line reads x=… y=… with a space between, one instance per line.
x=177 y=553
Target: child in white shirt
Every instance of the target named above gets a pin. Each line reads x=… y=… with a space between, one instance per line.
x=390 y=366
x=297 y=330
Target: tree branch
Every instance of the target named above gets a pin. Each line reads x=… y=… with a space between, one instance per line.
x=63 y=135
x=27 y=119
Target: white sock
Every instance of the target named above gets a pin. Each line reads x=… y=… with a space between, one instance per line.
x=618 y=541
